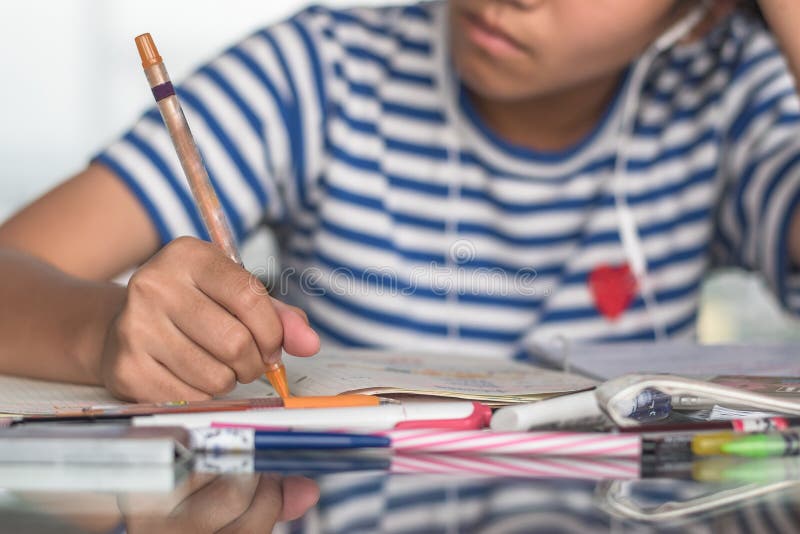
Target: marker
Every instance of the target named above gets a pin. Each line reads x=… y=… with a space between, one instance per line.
x=219 y=440
x=454 y=415
x=751 y=471
x=684 y=447
x=763 y=445
x=746 y=425
x=711 y=444
x=196 y=174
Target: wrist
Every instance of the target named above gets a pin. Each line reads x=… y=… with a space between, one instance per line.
x=104 y=302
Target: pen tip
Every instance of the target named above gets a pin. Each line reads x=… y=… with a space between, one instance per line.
x=147 y=50
x=277 y=379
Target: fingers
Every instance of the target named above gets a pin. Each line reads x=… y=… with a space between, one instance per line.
x=264 y=510
x=162 y=504
x=271 y=323
x=193 y=324
x=299 y=495
x=236 y=290
x=225 y=504
x=216 y=504
x=160 y=385
x=220 y=334
x=194 y=365
x=299 y=339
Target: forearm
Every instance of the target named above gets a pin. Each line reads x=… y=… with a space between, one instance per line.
x=783 y=17
x=794 y=238
x=52 y=326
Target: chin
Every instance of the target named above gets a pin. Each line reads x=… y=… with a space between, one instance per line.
x=491 y=82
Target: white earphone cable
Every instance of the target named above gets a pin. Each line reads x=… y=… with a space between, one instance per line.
x=628 y=229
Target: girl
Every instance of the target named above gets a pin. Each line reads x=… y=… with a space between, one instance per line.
x=463 y=176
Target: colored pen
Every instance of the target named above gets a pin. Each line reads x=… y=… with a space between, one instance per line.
x=292 y=462
x=127 y=411
x=684 y=447
x=192 y=163
x=747 y=425
x=763 y=445
x=455 y=415
x=227 y=440
x=748 y=470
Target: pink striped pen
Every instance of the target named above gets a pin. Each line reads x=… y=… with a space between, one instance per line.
x=516 y=443
x=517 y=466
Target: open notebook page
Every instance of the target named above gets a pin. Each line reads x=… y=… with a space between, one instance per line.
x=23 y=396
x=333 y=372
x=380 y=372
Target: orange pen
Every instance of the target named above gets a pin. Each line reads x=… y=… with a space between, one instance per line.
x=192 y=163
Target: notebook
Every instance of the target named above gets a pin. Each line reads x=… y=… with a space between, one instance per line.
x=24 y=396
x=492 y=381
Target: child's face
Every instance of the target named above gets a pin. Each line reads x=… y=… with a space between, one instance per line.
x=516 y=49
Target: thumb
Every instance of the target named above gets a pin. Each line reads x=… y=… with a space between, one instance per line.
x=299 y=339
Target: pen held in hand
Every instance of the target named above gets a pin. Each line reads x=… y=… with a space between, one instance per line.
x=192 y=164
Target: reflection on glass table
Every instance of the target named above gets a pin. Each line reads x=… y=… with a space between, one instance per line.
x=354 y=493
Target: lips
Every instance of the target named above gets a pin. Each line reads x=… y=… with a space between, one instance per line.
x=489 y=36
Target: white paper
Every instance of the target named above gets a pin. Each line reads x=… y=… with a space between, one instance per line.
x=23 y=396
x=334 y=372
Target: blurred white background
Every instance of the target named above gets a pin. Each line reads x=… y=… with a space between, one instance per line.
x=72 y=82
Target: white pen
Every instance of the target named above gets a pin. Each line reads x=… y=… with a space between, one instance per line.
x=458 y=415
x=561 y=409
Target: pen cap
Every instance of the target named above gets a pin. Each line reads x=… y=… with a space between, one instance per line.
x=147 y=50
x=548 y=412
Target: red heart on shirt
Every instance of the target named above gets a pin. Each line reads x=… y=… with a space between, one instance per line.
x=613 y=289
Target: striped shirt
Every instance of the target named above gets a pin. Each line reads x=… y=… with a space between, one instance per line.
x=404 y=221
x=355 y=503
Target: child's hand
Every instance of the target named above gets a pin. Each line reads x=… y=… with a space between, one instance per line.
x=193 y=324
x=226 y=503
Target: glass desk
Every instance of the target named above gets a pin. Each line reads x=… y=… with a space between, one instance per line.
x=371 y=493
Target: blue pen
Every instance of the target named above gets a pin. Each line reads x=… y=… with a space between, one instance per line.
x=247 y=439
x=291 y=463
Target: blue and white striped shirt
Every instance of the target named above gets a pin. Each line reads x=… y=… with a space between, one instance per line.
x=404 y=221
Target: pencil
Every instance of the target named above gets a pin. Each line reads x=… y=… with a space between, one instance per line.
x=192 y=163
